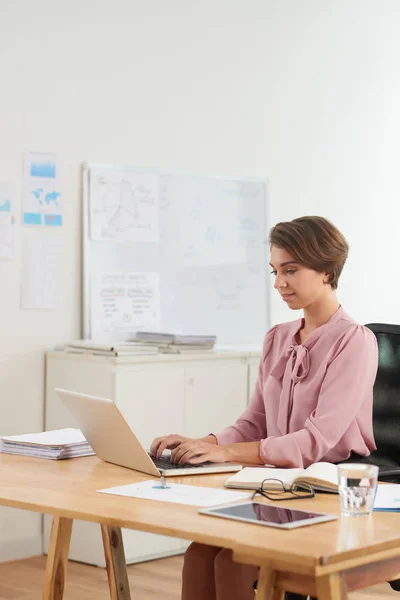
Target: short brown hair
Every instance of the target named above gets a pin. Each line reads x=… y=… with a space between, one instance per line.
x=313 y=242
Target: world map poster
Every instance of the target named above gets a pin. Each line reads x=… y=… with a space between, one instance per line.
x=42 y=190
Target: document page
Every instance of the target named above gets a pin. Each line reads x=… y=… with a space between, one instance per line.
x=176 y=492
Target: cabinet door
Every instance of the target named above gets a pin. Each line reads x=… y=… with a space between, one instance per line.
x=94 y=377
x=215 y=396
x=151 y=399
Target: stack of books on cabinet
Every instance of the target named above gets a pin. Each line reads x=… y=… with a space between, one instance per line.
x=173 y=343
x=146 y=342
x=109 y=348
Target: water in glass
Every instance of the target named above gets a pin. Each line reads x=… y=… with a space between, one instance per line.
x=357 y=487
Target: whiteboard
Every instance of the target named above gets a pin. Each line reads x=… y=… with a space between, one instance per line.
x=200 y=240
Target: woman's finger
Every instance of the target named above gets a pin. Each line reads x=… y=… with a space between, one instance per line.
x=171 y=441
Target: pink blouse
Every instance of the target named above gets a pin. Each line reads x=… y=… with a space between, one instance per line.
x=312 y=401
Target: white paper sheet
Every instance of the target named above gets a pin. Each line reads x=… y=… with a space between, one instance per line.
x=42 y=190
x=124 y=206
x=7 y=222
x=55 y=437
x=387 y=497
x=176 y=492
x=125 y=302
x=41 y=272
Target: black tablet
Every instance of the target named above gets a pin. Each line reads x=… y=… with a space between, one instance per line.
x=265 y=514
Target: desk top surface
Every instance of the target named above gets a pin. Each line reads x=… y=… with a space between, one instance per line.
x=68 y=488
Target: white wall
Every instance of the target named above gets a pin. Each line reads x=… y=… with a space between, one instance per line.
x=303 y=92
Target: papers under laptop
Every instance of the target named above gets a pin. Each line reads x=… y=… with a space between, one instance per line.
x=111 y=438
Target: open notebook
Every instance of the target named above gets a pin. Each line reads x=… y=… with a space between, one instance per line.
x=322 y=476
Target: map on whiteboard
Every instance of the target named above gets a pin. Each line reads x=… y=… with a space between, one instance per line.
x=124 y=206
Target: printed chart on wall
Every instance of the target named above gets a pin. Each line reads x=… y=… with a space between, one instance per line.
x=7 y=222
x=42 y=201
x=175 y=253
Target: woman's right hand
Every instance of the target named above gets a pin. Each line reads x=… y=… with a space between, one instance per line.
x=167 y=442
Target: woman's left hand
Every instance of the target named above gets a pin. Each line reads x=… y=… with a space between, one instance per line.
x=196 y=452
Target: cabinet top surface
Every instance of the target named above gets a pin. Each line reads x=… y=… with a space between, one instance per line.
x=157 y=358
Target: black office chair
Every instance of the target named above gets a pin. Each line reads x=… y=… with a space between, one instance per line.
x=387 y=407
x=386 y=414
x=387 y=402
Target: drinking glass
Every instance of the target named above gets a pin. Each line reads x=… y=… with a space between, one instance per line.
x=357 y=488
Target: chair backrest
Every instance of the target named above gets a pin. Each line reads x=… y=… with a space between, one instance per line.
x=387 y=395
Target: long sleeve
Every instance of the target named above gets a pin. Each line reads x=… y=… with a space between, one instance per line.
x=251 y=425
x=342 y=419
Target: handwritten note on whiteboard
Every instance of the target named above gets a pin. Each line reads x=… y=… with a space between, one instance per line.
x=125 y=302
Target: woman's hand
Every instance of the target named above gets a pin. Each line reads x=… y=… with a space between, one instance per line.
x=195 y=452
x=167 y=442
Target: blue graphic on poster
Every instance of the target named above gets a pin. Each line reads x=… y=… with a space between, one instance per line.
x=6 y=206
x=42 y=191
x=43 y=169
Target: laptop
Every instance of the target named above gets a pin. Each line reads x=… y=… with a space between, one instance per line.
x=111 y=438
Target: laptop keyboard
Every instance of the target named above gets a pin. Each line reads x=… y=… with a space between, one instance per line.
x=164 y=462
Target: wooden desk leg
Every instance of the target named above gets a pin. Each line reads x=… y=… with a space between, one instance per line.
x=115 y=563
x=57 y=559
x=331 y=587
x=266 y=588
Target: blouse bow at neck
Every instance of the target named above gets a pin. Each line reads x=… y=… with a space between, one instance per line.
x=299 y=358
x=295 y=360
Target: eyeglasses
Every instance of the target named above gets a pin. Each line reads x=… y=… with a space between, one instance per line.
x=275 y=489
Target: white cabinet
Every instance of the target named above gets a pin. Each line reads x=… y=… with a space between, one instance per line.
x=215 y=395
x=189 y=394
x=151 y=398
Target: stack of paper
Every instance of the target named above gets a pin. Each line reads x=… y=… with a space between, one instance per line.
x=176 y=343
x=56 y=444
x=186 y=348
x=109 y=349
x=156 y=338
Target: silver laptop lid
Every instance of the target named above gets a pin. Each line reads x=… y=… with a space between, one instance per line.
x=107 y=431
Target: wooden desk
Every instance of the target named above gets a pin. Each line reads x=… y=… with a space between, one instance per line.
x=325 y=560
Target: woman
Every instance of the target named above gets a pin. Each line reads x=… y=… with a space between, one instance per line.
x=313 y=397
